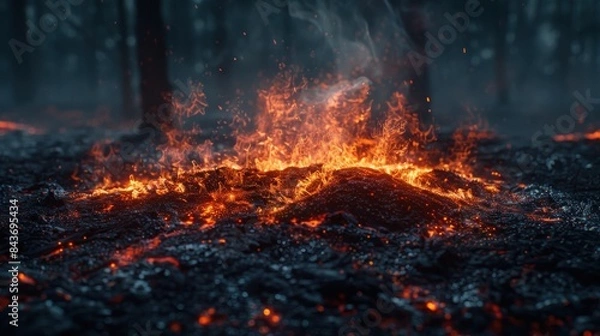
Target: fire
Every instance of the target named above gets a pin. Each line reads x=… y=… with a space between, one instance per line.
x=321 y=127
x=9 y=126
x=572 y=137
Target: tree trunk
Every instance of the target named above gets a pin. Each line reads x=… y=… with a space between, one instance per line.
x=125 y=58
x=287 y=31
x=501 y=29
x=419 y=93
x=564 y=20
x=220 y=40
x=152 y=59
x=525 y=38
x=182 y=30
x=23 y=84
x=92 y=45
x=595 y=62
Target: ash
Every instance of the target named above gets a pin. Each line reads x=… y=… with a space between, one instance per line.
x=137 y=270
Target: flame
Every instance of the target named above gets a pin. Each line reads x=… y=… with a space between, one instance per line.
x=9 y=126
x=572 y=137
x=324 y=126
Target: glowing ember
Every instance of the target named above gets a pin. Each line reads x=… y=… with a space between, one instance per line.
x=166 y=260
x=175 y=327
x=432 y=306
x=206 y=317
x=26 y=279
x=270 y=316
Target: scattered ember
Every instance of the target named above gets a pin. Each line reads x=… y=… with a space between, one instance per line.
x=432 y=306
x=175 y=327
x=166 y=260
x=265 y=321
x=26 y=279
x=4 y=302
x=206 y=318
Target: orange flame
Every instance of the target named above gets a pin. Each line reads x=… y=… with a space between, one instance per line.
x=326 y=125
x=572 y=137
x=8 y=126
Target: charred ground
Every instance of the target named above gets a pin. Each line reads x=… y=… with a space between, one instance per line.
x=136 y=269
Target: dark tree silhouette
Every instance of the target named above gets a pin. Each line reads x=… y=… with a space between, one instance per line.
x=525 y=33
x=595 y=39
x=220 y=40
x=564 y=22
x=125 y=58
x=182 y=30
x=413 y=16
x=287 y=32
x=23 y=84
x=92 y=43
x=152 y=60
x=501 y=12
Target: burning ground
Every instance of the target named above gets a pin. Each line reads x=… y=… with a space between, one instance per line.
x=313 y=220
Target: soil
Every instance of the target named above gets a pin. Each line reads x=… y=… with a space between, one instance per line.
x=377 y=263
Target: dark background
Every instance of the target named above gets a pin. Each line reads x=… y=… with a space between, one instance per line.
x=517 y=64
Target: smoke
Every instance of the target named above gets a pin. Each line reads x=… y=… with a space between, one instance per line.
x=344 y=88
x=357 y=44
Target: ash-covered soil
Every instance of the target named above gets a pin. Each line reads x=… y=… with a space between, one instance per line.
x=529 y=264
